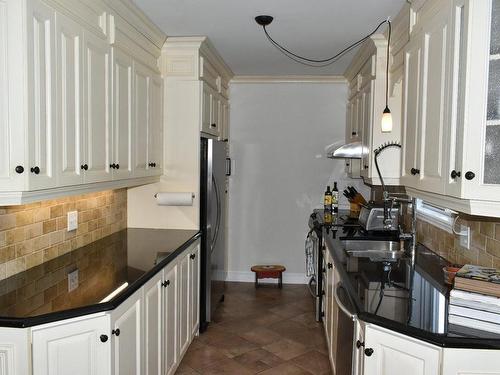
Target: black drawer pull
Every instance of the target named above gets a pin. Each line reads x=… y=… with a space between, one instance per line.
x=112 y=165
x=354 y=133
x=19 y=169
x=214 y=125
x=192 y=256
x=368 y=352
x=455 y=174
x=103 y=338
x=359 y=344
x=165 y=283
x=415 y=171
x=330 y=266
x=116 y=332
x=35 y=170
x=85 y=167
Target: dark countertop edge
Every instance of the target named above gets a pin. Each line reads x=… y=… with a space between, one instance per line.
x=100 y=307
x=429 y=337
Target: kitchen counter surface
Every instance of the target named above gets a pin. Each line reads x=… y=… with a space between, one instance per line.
x=123 y=261
x=415 y=297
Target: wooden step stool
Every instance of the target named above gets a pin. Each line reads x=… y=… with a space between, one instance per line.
x=269 y=272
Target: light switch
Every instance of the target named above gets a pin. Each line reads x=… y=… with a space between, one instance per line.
x=73 y=280
x=72 y=220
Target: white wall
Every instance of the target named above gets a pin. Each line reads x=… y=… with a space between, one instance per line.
x=278 y=135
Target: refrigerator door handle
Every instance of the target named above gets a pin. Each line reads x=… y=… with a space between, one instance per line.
x=228 y=167
x=217 y=224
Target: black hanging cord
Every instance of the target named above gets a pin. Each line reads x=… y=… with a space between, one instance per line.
x=330 y=60
x=387 y=66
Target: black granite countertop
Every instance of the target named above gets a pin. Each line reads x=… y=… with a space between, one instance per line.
x=415 y=297
x=124 y=260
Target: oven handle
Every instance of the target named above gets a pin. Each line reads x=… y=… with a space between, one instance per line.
x=341 y=305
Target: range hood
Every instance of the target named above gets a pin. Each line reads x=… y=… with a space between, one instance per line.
x=354 y=150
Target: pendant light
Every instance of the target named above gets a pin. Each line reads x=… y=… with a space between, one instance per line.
x=386 y=124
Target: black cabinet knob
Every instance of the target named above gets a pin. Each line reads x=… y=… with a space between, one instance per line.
x=213 y=125
x=330 y=266
x=415 y=171
x=85 y=167
x=150 y=165
x=354 y=133
x=103 y=338
x=359 y=344
x=366 y=166
x=35 y=170
x=117 y=166
x=368 y=352
x=19 y=169
x=347 y=164
x=455 y=174
x=154 y=165
x=165 y=283
x=192 y=256
x=112 y=165
x=470 y=175
x=116 y=332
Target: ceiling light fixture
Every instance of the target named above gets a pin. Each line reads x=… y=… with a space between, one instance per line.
x=266 y=20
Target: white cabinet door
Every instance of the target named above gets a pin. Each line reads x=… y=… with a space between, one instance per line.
x=433 y=124
x=394 y=354
x=358 y=354
x=123 y=123
x=41 y=95
x=126 y=323
x=412 y=118
x=69 y=134
x=11 y=133
x=153 y=324
x=209 y=110
x=170 y=320
x=78 y=348
x=141 y=99
x=470 y=362
x=155 y=133
x=97 y=120
x=224 y=120
x=194 y=290
x=184 y=329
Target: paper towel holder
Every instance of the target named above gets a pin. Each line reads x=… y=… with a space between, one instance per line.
x=156 y=195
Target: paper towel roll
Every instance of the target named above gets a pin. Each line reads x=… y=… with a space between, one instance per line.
x=174 y=199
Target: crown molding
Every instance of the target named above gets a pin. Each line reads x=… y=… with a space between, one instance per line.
x=289 y=79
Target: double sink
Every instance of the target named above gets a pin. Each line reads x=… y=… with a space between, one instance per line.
x=375 y=250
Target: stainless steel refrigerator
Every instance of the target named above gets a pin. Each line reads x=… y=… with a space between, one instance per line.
x=215 y=167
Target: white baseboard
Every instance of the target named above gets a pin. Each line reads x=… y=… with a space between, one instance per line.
x=249 y=277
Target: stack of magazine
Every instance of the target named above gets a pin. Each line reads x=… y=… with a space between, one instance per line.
x=475 y=299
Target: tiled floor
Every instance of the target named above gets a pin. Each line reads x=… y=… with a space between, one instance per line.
x=266 y=331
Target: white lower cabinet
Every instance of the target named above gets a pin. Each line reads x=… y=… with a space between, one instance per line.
x=390 y=353
x=80 y=347
x=147 y=334
x=170 y=321
x=126 y=332
x=470 y=362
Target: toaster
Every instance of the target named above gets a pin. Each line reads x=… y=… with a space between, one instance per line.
x=371 y=218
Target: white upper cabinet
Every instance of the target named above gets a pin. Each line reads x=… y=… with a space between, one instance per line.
x=366 y=101
x=41 y=95
x=69 y=123
x=123 y=121
x=451 y=101
x=70 y=76
x=97 y=104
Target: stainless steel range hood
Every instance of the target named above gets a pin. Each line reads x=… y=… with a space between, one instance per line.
x=354 y=150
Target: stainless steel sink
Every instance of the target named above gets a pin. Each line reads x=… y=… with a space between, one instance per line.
x=380 y=251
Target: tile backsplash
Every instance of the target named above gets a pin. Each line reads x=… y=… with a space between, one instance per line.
x=484 y=244
x=36 y=233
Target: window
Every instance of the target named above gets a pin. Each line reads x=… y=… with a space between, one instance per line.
x=440 y=217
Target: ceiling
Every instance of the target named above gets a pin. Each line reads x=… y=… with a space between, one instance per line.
x=314 y=28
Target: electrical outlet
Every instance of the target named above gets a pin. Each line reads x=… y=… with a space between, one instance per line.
x=72 y=280
x=72 y=220
x=465 y=237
